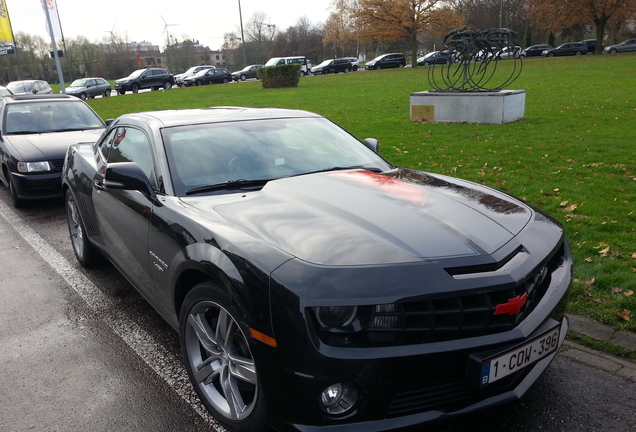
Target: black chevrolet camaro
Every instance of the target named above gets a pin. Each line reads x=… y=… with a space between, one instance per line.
x=313 y=284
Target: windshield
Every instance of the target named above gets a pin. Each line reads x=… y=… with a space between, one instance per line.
x=325 y=63
x=136 y=73
x=213 y=154
x=78 y=83
x=50 y=116
x=20 y=87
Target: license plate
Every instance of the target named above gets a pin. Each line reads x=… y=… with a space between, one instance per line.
x=499 y=367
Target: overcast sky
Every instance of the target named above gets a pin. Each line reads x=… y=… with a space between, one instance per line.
x=141 y=20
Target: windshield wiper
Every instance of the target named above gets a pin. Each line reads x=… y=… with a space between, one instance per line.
x=230 y=184
x=342 y=168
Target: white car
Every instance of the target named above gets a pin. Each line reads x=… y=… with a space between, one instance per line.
x=355 y=63
x=179 y=78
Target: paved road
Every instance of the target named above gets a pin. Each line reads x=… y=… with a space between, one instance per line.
x=81 y=351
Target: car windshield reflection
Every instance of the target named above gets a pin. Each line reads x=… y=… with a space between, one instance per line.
x=45 y=117
x=211 y=157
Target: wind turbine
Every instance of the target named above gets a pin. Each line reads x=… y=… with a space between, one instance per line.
x=112 y=35
x=165 y=30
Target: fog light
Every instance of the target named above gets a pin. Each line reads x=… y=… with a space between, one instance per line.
x=338 y=398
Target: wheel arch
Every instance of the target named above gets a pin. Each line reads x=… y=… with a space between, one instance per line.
x=249 y=291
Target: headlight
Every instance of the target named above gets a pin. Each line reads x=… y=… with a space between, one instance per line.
x=34 y=166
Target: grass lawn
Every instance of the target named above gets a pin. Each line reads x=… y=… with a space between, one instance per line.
x=573 y=155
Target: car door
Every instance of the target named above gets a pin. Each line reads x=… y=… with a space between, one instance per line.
x=123 y=215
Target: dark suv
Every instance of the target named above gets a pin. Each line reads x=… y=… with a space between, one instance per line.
x=154 y=78
x=332 y=66
x=386 y=61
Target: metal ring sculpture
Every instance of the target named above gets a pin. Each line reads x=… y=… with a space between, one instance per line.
x=473 y=61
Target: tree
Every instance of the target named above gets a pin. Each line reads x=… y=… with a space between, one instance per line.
x=403 y=19
x=555 y=15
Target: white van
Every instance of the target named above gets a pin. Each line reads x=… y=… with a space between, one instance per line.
x=305 y=66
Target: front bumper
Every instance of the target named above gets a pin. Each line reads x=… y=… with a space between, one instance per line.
x=405 y=385
x=37 y=186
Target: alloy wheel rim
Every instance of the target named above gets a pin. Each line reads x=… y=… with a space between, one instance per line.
x=221 y=361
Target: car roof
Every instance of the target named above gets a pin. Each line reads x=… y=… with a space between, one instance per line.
x=221 y=114
x=38 y=97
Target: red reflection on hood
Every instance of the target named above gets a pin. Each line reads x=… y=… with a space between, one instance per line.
x=414 y=194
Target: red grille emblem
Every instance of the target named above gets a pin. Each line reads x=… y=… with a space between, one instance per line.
x=513 y=307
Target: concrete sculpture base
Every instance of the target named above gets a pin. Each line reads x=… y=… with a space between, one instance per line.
x=497 y=107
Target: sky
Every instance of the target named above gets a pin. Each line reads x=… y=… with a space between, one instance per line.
x=205 y=21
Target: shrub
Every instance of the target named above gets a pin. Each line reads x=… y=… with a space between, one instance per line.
x=279 y=76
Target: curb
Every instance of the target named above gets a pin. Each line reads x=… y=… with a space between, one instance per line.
x=602 y=332
x=621 y=367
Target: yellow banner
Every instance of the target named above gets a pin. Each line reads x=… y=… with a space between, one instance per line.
x=5 y=24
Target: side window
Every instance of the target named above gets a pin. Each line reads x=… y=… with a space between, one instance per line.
x=131 y=145
x=107 y=143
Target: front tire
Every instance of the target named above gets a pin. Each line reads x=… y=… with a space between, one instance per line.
x=85 y=252
x=218 y=357
x=243 y=77
x=135 y=88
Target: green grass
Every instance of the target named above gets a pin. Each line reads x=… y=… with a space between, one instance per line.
x=573 y=155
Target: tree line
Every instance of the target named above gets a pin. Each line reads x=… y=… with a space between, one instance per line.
x=361 y=28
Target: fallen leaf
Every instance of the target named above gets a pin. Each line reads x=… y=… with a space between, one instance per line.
x=588 y=259
x=616 y=290
x=629 y=293
x=604 y=252
x=597 y=300
x=572 y=207
x=564 y=203
x=634 y=256
x=625 y=315
x=589 y=282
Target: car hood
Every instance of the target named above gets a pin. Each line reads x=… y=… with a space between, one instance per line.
x=53 y=145
x=361 y=218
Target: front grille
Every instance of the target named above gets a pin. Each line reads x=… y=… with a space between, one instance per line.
x=449 y=318
x=58 y=164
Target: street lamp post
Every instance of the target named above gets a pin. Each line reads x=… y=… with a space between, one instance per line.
x=242 y=35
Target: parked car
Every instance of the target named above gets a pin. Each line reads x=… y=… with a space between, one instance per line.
x=626 y=46
x=209 y=76
x=535 y=50
x=246 y=73
x=29 y=87
x=332 y=66
x=305 y=64
x=436 y=57
x=152 y=78
x=36 y=131
x=566 y=49
x=590 y=44
x=85 y=88
x=5 y=91
x=355 y=63
x=178 y=79
x=312 y=283
x=384 y=61
x=510 y=52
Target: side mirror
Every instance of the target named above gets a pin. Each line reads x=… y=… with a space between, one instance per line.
x=128 y=176
x=372 y=143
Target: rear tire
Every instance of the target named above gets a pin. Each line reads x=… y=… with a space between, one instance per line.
x=135 y=88
x=83 y=96
x=218 y=357
x=106 y=93
x=167 y=85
